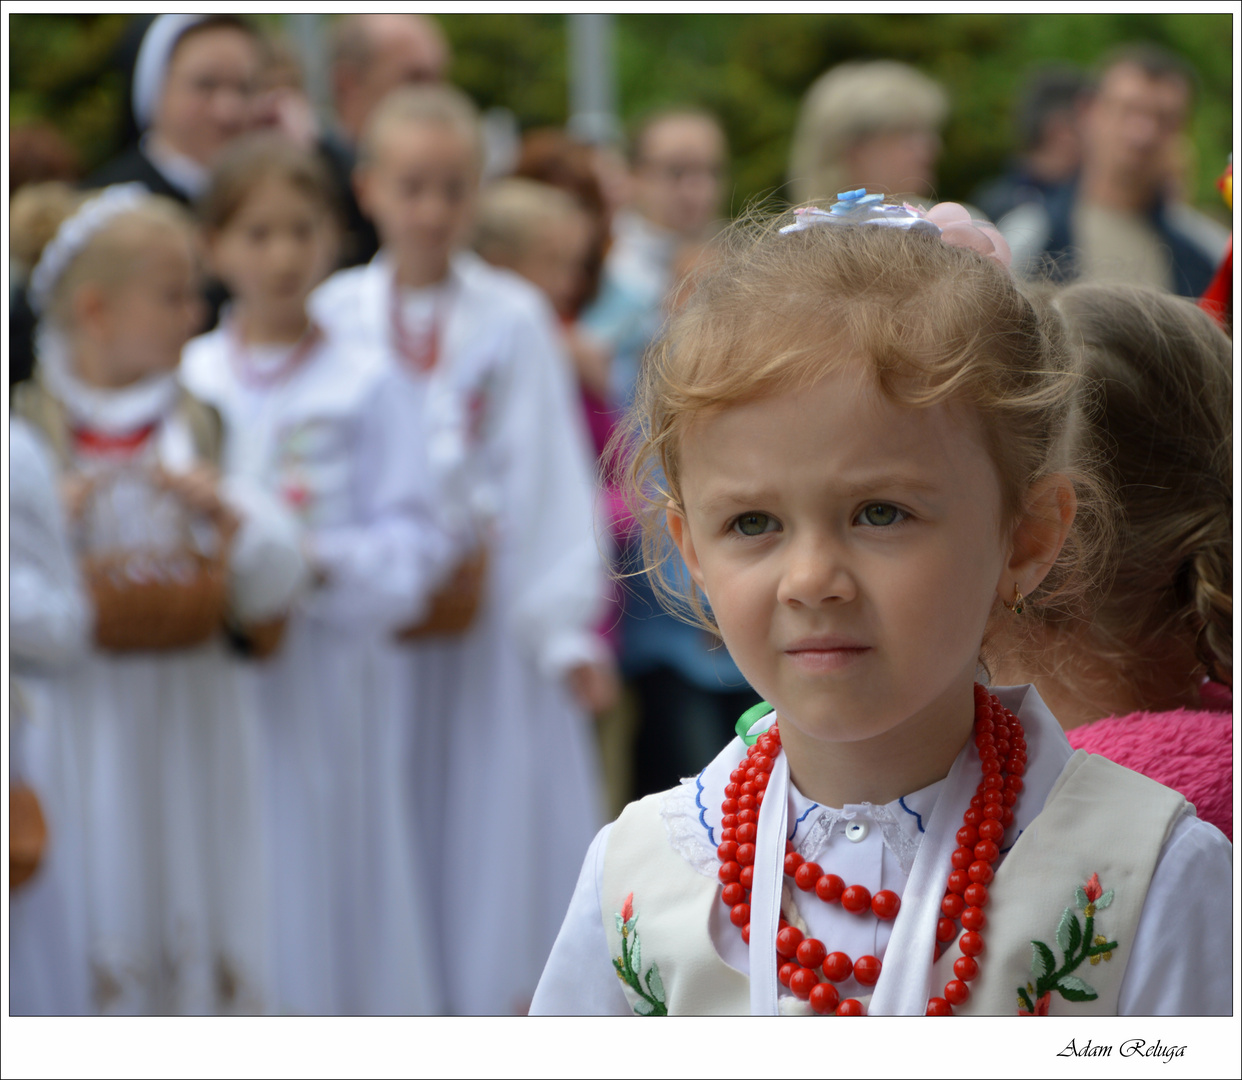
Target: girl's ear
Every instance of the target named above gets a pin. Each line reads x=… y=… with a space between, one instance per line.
x=1039 y=535
x=679 y=530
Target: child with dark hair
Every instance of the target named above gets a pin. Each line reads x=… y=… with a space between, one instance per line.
x=308 y=416
x=1146 y=680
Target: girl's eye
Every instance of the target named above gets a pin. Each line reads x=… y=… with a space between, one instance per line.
x=881 y=514
x=754 y=524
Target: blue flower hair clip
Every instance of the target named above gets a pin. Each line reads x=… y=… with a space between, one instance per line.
x=859 y=208
x=949 y=221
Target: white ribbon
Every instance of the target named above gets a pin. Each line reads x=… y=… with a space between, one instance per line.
x=765 y=893
x=74 y=234
x=905 y=978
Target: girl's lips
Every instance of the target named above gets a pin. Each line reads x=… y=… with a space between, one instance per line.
x=833 y=653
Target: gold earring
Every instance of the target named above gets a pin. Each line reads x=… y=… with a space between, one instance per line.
x=1018 y=605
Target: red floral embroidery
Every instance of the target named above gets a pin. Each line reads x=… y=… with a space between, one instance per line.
x=1041 y=1006
x=1094 y=890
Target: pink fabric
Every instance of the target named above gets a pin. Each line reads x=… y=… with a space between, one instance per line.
x=1189 y=750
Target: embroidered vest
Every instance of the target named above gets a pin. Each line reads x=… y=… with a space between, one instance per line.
x=1062 y=912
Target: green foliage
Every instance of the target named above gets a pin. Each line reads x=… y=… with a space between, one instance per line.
x=750 y=69
x=60 y=70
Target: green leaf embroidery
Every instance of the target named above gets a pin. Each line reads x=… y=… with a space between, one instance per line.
x=1042 y=960
x=654 y=983
x=1078 y=944
x=1072 y=988
x=617 y=915
x=629 y=966
x=1075 y=931
x=1063 y=929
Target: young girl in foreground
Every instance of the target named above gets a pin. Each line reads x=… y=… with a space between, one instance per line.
x=854 y=430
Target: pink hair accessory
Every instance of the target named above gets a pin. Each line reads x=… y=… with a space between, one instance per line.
x=958 y=229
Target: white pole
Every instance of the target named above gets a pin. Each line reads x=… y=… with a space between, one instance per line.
x=307 y=33
x=592 y=88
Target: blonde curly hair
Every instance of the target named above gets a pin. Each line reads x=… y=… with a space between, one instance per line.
x=935 y=323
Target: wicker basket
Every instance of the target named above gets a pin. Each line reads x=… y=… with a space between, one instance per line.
x=158 y=580
x=147 y=602
x=454 y=607
x=27 y=835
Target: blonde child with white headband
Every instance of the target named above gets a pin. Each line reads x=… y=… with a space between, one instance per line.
x=165 y=735
x=854 y=433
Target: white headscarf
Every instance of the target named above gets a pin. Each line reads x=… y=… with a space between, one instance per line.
x=151 y=67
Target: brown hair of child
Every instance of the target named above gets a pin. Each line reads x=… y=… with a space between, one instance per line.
x=251 y=161
x=1163 y=425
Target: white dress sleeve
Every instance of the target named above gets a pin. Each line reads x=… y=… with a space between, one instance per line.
x=550 y=495
x=383 y=565
x=579 y=979
x=267 y=569
x=49 y=614
x=1181 y=960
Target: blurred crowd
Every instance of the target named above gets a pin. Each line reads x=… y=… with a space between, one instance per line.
x=328 y=651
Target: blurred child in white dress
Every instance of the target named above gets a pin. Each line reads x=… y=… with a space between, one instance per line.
x=306 y=418
x=503 y=756
x=49 y=629
x=164 y=733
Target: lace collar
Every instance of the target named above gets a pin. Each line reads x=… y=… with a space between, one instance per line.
x=693 y=822
x=111 y=412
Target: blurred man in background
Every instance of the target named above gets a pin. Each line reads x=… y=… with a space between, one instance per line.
x=1121 y=221
x=372 y=55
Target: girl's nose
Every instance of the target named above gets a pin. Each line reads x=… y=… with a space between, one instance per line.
x=815 y=573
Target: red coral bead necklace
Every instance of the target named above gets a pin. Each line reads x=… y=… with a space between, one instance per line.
x=1001 y=743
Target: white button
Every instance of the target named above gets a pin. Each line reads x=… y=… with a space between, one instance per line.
x=856 y=831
